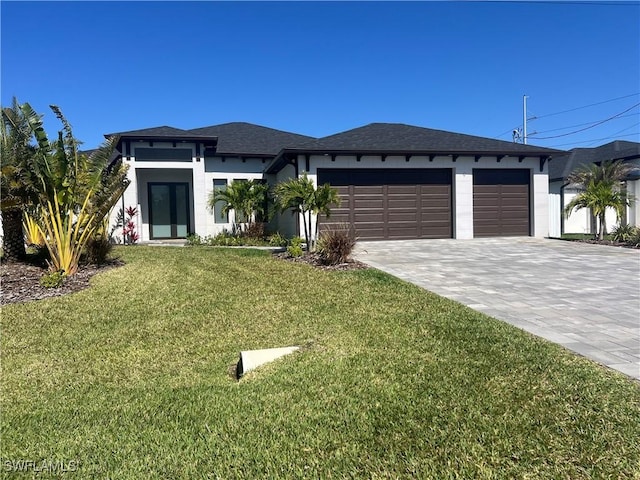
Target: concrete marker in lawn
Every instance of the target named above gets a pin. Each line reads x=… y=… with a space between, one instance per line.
x=251 y=359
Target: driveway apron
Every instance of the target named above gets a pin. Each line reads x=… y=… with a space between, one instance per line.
x=584 y=297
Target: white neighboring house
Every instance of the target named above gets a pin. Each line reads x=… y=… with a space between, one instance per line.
x=561 y=192
x=395 y=181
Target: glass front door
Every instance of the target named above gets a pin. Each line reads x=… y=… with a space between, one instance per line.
x=168 y=210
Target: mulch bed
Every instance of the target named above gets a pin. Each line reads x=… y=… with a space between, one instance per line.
x=315 y=260
x=20 y=282
x=610 y=243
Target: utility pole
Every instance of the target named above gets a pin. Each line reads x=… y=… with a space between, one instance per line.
x=524 y=119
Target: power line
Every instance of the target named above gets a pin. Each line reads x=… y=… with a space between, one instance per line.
x=620 y=131
x=587 y=128
x=581 y=124
x=567 y=111
x=594 y=140
x=584 y=106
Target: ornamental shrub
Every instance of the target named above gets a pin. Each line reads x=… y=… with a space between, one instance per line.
x=335 y=245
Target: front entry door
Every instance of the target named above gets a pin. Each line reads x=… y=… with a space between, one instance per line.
x=168 y=210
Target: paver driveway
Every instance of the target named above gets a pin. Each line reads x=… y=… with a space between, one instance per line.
x=584 y=297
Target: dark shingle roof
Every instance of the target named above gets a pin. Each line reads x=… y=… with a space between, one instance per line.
x=158 y=132
x=247 y=138
x=407 y=138
x=561 y=167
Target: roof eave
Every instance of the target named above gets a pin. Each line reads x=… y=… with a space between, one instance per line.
x=242 y=154
x=280 y=159
x=166 y=138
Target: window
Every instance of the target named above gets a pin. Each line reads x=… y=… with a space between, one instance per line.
x=163 y=154
x=219 y=186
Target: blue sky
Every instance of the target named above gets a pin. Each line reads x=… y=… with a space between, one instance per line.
x=321 y=68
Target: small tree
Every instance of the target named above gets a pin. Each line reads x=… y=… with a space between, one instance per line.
x=76 y=191
x=18 y=183
x=325 y=197
x=248 y=198
x=601 y=189
x=301 y=196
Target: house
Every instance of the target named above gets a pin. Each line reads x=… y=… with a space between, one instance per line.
x=395 y=181
x=561 y=192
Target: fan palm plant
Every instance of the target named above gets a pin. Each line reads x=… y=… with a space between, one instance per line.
x=18 y=183
x=600 y=190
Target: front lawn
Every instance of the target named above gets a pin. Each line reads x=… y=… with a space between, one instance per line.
x=131 y=379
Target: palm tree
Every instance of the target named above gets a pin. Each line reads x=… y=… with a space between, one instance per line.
x=18 y=184
x=301 y=196
x=601 y=189
x=296 y=195
x=248 y=198
x=325 y=197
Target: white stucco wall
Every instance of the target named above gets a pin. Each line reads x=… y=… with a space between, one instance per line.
x=580 y=221
x=555 y=209
x=286 y=222
x=540 y=200
x=200 y=174
x=142 y=172
x=228 y=169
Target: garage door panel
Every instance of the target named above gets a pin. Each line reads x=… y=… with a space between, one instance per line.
x=411 y=217
x=369 y=230
x=393 y=204
x=368 y=190
x=368 y=217
x=402 y=189
x=367 y=204
x=501 y=202
x=515 y=189
x=513 y=216
x=338 y=218
x=405 y=203
x=436 y=216
x=443 y=204
x=401 y=232
x=435 y=190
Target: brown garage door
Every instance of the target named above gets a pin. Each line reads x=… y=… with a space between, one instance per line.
x=391 y=203
x=500 y=202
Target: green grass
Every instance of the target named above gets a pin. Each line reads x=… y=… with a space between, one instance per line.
x=130 y=379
